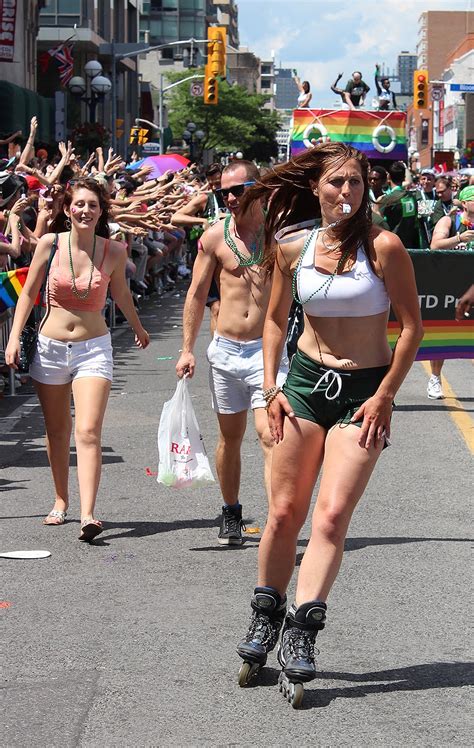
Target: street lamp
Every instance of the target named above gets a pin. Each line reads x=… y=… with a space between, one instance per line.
x=191 y=134
x=99 y=86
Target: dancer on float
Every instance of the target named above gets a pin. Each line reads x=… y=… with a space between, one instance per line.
x=74 y=350
x=334 y=411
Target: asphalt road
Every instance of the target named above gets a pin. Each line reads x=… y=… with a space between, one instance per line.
x=131 y=642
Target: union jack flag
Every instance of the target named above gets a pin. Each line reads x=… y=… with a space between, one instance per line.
x=63 y=54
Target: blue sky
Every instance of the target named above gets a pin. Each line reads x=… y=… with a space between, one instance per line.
x=321 y=38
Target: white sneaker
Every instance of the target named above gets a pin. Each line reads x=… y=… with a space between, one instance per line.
x=434 y=390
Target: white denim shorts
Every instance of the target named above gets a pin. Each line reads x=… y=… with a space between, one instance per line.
x=56 y=362
x=236 y=374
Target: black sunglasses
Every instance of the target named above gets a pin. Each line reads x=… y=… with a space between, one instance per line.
x=237 y=190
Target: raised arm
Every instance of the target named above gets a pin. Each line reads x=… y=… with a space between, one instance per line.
x=29 y=150
x=187 y=216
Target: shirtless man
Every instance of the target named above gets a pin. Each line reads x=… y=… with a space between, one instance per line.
x=231 y=250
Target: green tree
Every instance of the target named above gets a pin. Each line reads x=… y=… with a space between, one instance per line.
x=237 y=123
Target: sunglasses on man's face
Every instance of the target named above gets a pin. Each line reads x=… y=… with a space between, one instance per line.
x=237 y=190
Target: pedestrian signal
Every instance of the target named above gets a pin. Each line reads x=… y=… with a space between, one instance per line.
x=216 y=50
x=420 y=89
x=134 y=135
x=211 y=93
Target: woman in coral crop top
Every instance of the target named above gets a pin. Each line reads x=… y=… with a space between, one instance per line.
x=74 y=350
x=335 y=408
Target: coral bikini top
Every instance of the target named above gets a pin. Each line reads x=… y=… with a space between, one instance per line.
x=60 y=293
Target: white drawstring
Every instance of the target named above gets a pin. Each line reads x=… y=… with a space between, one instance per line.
x=336 y=379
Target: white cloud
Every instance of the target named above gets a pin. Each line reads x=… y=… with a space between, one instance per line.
x=365 y=32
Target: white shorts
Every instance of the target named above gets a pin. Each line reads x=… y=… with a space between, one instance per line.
x=56 y=362
x=236 y=374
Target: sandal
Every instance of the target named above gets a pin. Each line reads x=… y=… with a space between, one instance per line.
x=89 y=529
x=55 y=514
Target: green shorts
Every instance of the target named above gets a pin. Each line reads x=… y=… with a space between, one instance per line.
x=329 y=396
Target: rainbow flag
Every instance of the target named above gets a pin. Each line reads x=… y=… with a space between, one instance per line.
x=442 y=339
x=356 y=128
x=11 y=285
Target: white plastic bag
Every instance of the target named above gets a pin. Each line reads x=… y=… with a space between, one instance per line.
x=182 y=456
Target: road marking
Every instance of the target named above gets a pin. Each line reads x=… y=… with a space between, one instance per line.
x=462 y=419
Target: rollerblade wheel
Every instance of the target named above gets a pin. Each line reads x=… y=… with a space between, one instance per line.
x=293 y=692
x=296 y=695
x=246 y=673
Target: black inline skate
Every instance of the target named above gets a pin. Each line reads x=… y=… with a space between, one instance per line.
x=296 y=650
x=269 y=610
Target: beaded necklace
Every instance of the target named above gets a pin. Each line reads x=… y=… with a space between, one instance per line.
x=77 y=293
x=256 y=257
x=327 y=283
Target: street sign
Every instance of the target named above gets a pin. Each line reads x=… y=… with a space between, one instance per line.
x=466 y=87
x=437 y=92
x=196 y=88
x=151 y=149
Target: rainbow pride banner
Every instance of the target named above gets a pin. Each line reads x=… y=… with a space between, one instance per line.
x=442 y=339
x=11 y=285
x=442 y=276
x=380 y=135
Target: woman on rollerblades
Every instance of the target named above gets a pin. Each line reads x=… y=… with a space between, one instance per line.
x=334 y=411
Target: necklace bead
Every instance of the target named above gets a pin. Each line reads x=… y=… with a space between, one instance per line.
x=256 y=257
x=327 y=283
x=78 y=294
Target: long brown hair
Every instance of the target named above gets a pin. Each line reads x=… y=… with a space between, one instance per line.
x=86 y=183
x=287 y=191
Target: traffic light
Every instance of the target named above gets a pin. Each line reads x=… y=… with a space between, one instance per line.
x=216 y=50
x=118 y=128
x=134 y=135
x=142 y=136
x=211 y=92
x=420 y=89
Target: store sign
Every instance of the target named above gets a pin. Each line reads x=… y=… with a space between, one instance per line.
x=7 y=30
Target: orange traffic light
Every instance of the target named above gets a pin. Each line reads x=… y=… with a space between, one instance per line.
x=420 y=89
x=211 y=91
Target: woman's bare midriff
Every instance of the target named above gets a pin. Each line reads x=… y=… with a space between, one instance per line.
x=71 y=325
x=347 y=342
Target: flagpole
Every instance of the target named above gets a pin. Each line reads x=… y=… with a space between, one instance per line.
x=114 y=97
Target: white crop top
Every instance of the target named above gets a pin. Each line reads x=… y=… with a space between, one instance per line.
x=359 y=292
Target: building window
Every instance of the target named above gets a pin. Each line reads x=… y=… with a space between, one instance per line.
x=61 y=13
x=164 y=4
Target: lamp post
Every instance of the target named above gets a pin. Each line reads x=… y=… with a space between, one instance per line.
x=191 y=135
x=93 y=88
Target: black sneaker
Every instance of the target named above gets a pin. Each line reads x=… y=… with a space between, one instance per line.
x=230 y=532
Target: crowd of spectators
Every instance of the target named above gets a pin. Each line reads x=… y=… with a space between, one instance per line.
x=32 y=188
x=160 y=219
